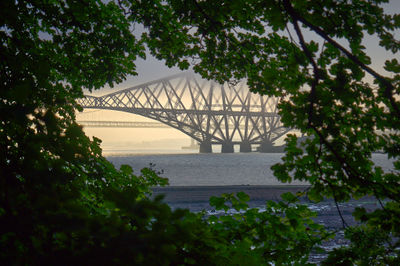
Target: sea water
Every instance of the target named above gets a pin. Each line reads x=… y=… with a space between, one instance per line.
x=215 y=169
x=218 y=169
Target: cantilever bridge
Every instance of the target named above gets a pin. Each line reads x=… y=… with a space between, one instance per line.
x=208 y=112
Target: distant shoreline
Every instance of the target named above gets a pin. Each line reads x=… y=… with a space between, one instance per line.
x=191 y=194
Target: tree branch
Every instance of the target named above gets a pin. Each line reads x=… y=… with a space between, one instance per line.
x=331 y=186
x=315 y=71
x=389 y=88
x=350 y=171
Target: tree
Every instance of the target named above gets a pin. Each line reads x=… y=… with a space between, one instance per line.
x=323 y=88
x=62 y=202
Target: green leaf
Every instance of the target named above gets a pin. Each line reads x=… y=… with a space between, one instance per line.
x=218 y=203
x=289 y=197
x=243 y=197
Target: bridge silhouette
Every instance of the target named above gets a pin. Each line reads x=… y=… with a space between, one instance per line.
x=121 y=124
x=208 y=112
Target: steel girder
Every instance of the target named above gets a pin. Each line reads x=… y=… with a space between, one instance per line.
x=204 y=110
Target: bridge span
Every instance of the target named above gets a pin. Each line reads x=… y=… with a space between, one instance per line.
x=208 y=112
x=121 y=124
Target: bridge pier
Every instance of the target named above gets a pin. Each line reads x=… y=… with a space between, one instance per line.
x=245 y=146
x=268 y=147
x=227 y=147
x=206 y=147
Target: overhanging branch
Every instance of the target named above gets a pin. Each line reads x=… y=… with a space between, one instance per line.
x=389 y=88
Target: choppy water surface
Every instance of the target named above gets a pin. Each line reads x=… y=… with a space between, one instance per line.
x=243 y=169
x=216 y=169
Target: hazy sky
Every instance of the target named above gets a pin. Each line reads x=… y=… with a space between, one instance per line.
x=152 y=69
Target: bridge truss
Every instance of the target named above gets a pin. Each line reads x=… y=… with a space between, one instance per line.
x=208 y=112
